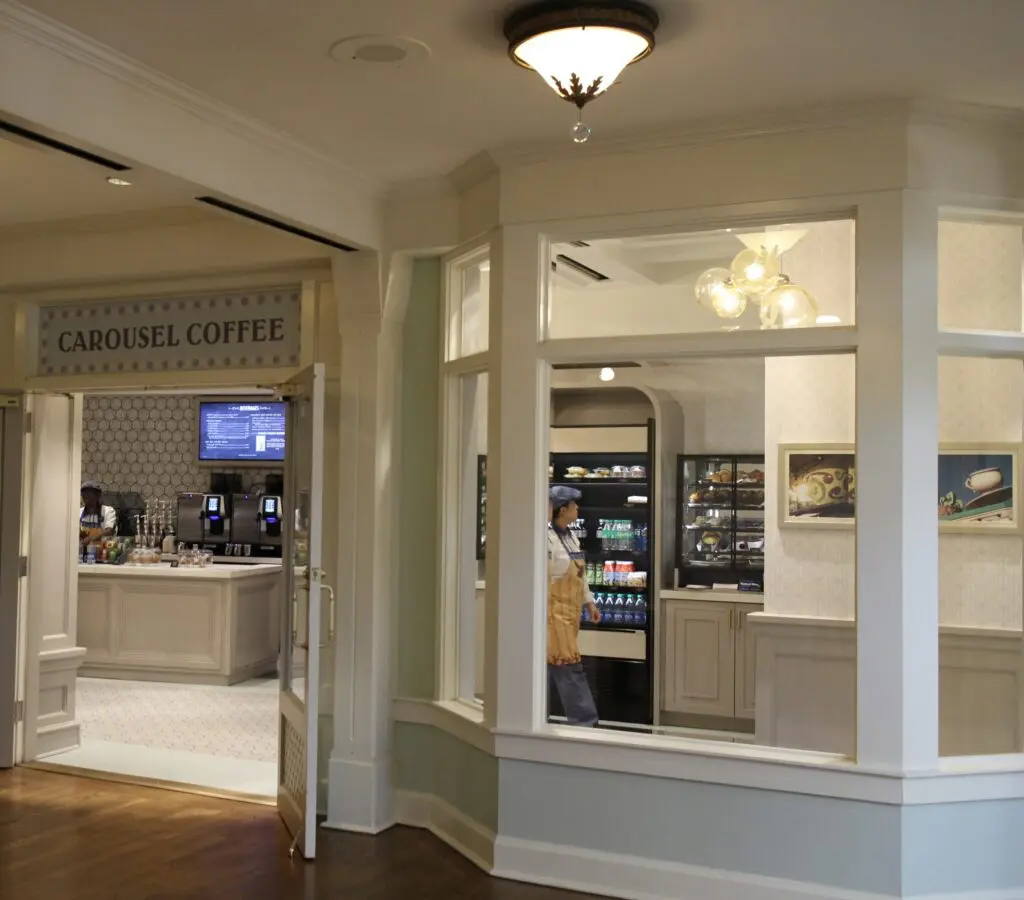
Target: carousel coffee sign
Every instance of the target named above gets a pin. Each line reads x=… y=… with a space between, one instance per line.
x=253 y=329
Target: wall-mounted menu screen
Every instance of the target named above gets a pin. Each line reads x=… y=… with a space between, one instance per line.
x=242 y=432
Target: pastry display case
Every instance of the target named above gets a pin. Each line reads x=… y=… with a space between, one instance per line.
x=720 y=516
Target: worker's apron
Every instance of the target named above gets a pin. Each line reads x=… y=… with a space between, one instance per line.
x=565 y=605
x=90 y=527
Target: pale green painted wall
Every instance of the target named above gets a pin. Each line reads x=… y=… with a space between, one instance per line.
x=417 y=530
x=430 y=761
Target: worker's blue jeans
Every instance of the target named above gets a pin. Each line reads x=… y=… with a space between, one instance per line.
x=573 y=690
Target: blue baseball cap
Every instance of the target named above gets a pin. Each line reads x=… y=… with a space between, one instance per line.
x=562 y=495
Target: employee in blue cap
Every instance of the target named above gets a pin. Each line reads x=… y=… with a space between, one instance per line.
x=568 y=594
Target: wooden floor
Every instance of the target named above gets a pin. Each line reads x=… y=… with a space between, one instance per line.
x=69 y=838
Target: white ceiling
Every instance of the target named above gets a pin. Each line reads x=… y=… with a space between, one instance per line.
x=43 y=185
x=714 y=58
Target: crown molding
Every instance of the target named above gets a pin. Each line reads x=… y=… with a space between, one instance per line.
x=76 y=47
x=474 y=170
x=796 y=120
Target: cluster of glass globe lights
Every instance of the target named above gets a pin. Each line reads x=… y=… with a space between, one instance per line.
x=755 y=276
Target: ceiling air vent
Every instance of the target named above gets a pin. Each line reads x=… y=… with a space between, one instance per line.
x=34 y=137
x=274 y=223
x=579 y=267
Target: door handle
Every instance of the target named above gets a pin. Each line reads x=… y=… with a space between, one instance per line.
x=331 y=605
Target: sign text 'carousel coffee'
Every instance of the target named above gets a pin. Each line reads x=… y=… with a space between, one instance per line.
x=255 y=329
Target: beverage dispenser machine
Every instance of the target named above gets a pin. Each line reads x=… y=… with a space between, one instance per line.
x=216 y=517
x=190 y=519
x=271 y=519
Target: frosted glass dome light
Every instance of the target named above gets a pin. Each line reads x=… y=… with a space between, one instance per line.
x=580 y=49
x=581 y=63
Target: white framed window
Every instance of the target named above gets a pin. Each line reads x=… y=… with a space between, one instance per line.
x=464 y=408
x=980 y=441
x=894 y=609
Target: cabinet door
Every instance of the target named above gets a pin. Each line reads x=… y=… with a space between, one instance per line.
x=746 y=661
x=699 y=672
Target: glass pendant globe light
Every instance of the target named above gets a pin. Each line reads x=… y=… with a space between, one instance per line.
x=788 y=306
x=728 y=302
x=756 y=272
x=709 y=284
x=580 y=49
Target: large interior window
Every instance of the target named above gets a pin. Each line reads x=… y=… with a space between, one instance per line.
x=464 y=490
x=793 y=275
x=979 y=456
x=701 y=550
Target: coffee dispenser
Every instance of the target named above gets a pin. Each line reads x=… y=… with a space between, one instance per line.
x=216 y=517
x=190 y=519
x=245 y=521
x=271 y=520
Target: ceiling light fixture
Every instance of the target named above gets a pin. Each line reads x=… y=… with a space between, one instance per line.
x=755 y=274
x=118 y=182
x=580 y=49
x=607 y=374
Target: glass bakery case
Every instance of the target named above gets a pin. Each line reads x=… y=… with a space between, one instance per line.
x=721 y=520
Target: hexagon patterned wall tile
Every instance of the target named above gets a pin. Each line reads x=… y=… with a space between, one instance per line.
x=148 y=444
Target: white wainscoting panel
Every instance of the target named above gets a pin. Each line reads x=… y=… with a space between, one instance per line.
x=806 y=686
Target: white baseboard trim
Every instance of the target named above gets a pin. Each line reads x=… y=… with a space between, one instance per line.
x=444 y=821
x=359 y=796
x=54 y=739
x=636 y=878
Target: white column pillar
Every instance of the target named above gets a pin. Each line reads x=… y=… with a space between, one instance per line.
x=55 y=474
x=515 y=674
x=359 y=796
x=897 y=447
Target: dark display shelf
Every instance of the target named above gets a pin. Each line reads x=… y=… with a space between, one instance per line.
x=720 y=513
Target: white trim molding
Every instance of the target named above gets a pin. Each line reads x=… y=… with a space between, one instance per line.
x=444 y=821
x=455 y=717
x=636 y=878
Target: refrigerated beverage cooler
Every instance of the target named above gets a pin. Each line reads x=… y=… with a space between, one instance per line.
x=616 y=530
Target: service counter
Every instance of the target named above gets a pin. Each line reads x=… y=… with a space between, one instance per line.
x=217 y=625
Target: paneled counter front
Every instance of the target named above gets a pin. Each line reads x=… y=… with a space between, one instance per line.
x=709 y=656
x=217 y=625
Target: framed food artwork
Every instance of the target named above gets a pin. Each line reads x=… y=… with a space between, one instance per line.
x=818 y=486
x=978 y=488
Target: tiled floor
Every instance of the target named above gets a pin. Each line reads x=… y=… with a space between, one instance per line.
x=223 y=738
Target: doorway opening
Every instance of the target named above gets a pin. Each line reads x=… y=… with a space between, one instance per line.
x=179 y=589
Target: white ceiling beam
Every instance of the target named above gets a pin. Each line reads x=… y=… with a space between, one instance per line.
x=65 y=84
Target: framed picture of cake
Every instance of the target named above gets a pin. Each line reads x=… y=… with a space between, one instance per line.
x=817 y=486
x=978 y=488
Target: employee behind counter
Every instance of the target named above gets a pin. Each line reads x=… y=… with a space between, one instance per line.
x=95 y=521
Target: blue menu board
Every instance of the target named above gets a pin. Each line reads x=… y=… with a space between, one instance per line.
x=242 y=432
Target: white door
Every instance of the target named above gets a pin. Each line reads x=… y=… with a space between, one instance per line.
x=10 y=574
x=301 y=615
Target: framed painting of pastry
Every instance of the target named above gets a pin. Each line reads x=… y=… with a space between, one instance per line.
x=817 y=486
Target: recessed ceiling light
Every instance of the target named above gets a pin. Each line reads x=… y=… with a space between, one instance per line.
x=379 y=50
x=607 y=374
x=118 y=182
